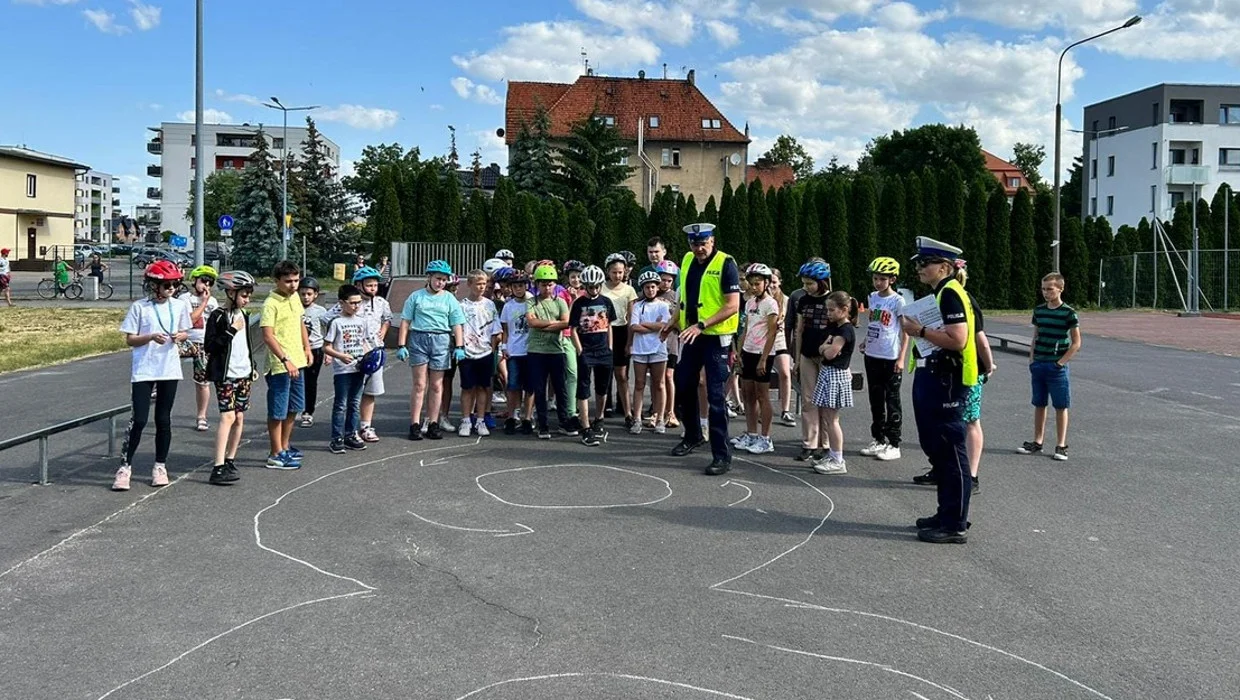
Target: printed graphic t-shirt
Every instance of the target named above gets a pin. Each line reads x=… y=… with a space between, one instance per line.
x=514 y=321
x=812 y=314
x=481 y=325
x=883 y=334
x=348 y=334
x=198 y=333
x=592 y=318
x=757 y=313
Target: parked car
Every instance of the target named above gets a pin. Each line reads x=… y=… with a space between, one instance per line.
x=121 y=249
x=81 y=251
x=144 y=256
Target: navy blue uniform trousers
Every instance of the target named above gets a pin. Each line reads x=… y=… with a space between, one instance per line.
x=938 y=405
x=705 y=352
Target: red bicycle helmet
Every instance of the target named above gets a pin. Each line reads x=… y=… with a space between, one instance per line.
x=164 y=271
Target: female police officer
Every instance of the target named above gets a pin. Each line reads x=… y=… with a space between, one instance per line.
x=940 y=385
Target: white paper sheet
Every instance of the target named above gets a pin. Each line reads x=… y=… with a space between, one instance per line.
x=926 y=311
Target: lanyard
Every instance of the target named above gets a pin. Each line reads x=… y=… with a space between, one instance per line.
x=166 y=329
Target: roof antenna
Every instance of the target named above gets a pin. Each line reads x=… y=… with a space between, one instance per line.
x=665 y=71
x=585 y=61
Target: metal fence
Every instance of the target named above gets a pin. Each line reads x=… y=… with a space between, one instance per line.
x=410 y=258
x=1161 y=280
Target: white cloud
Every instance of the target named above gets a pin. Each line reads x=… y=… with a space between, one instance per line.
x=209 y=116
x=146 y=17
x=466 y=89
x=436 y=108
x=668 y=22
x=1036 y=15
x=133 y=190
x=244 y=99
x=903 y=16
x=551 y=51
x=492 y=149
x=1183 y=30
x=825 y=10
x=725 y=35
x=359 y=117
x=105 y=22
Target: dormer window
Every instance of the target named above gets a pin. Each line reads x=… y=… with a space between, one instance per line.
x=711 y=123
x=608 y=120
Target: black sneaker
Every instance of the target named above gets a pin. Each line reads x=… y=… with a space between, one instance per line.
x=804 y=455
x=544 y=433
x=684 y=447
x=628 y=422
x=940 y=536
x=336 y=447
x=1061 y=453
x=354 y=442
x=230 y=468
x=927 y=479
x=589 y=439
x=718 y=467
x=527 y=428
x=510 y=426
x=569 y=429
x=415 y=432
x=1029 y=448
x=432 y=431
x=219 y=475
x=977 y=488
x=932 y=523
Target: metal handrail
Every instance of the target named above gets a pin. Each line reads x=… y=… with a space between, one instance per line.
x=43 y=434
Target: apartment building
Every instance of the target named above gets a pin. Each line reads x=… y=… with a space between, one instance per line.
x=226 y=147
x=96 y=201
x=37 y=205
x=1147 y=151
x=677 y=137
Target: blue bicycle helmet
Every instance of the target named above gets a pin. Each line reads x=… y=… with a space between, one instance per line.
x=819 y=271
x=365 y=273
x=438 y=267
x=372 y=361
x=503 y=274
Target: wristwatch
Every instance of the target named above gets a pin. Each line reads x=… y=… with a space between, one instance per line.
x=701 y=326
x=284 y=360
x=922 y=332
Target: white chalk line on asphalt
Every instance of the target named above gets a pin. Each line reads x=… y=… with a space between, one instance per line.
x=624 y=676
x=478 y=480
x=860 y=662
x=860 y=613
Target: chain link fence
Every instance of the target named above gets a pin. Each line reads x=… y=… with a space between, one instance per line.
x=410 y=258
x=1160 y=280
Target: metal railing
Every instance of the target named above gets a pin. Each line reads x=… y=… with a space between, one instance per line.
x=42 y=435
x=410 y=258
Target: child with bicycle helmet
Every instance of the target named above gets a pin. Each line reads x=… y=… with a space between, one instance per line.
x=230 y=366
x=314 y=318
x=884 y=347
x=590 y=320
x=622 y=296
x=347 y=341
x=377 y=313
x=201 y=304
x=651 y=316
x=547 y=319
x=514 y=353
x=153 y=327
x=430 y=337
x=669 y=278
x=812 y=324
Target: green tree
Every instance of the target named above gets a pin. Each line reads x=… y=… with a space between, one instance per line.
x=975 y=231
x=590 y=161
x=725 y=202
x=632 y=226
x=688 y=212
x=474 y=228
x=711 y=213
x=810 y=225
x=364 y=182
x=788 y=244
x=499 y=226
x=1074 y=263
x=449 y=217
x=928 y=146
x=914 y=212
x=323 y=209
x=835 y=235
x=525 y=234
x=219 y=197
x=553 y=239
x=863 y=232
x=1029 y=157
x=786 y=151
x=256 y=234
x=385 y=216
x=996 y=282
x=892 y=221
x=532 y=165
x=761 y=238
x=606 y=232
x=952 y=198
x=1144 y=238
x=1098 y=244
x=1071 y=201
x=930 y=205
x=1044 y=229
x=1025 y=275
x=735 y=234
x=427 y=226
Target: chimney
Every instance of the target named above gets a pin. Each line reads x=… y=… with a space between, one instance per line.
x=692 y=75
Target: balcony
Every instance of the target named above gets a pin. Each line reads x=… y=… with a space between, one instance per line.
x=155 y=170
x=116 y=190
x=154 y=193
x=155 y=147
x=116 y=203
x=1188 y=175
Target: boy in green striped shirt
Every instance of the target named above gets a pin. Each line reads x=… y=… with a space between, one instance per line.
x=1056 y=339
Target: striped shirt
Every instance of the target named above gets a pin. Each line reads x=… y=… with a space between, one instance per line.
x=1053 y=327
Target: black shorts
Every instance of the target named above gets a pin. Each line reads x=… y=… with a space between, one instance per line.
x=750 y=368
x=476 y=374
x=601 y=377
x=671 y=361
x=619 y=346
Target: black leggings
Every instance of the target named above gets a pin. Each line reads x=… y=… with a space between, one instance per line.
x=165 y=396
x=312 y=379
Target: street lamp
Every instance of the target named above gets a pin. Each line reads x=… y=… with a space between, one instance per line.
x=284 y=216
x=1135 y=19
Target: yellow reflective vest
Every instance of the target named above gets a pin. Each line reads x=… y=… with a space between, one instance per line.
x=710 y=294
x=968 y=355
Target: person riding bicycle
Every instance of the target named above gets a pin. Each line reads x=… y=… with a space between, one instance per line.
x=61 y=272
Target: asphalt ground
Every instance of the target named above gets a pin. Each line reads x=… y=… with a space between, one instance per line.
x=507 y=567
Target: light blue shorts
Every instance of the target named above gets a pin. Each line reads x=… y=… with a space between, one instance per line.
x=433 y=349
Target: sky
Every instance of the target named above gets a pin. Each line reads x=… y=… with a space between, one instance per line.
x=86 y=78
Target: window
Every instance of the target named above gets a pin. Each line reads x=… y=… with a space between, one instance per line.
x=80 y=193
x=1229 y=157
x=609 y=120
x=1177 y=156
x=671 y=157
x=1110 y=123
x=675 y=157
x=1177 y=198
x=1154 y=155
x=654 y=122
x=1110 y=166
x=667 y=157
x=1156 y=113
x=1094 y=129
x=1110 y=205
x=193 y=163
x=1093 y=206
x=228 y=164
x=1013 y=182
x=674 y=188
x=1153 y=196
x=277 y=142
x=1093 y=169
x=1229 y=114
x=711 y=123
x=32 y=186
x=624 y=159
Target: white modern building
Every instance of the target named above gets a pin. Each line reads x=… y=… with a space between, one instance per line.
x=1147 y=151
x=226 y=147
x=95 y=200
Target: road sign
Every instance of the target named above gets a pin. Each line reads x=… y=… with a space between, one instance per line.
x=179 y=241
x=226 y=222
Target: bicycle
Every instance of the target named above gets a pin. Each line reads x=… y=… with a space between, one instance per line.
x=48 y=289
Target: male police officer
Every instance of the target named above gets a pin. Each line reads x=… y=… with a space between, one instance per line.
x=940 y=385
x=710 y=301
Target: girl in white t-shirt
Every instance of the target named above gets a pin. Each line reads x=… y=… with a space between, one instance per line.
x=885 y=346
x=153 y=327
x=650 y=318
x=762 y=335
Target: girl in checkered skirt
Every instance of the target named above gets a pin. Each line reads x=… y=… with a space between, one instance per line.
x=834 y=389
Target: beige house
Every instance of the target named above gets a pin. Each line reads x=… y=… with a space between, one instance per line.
x=678 y=138
x=36 y=205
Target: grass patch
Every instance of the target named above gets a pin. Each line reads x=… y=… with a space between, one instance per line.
x=41 y=336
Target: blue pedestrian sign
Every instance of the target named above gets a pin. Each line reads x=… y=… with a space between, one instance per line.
x=226 y=222
x=179 y=241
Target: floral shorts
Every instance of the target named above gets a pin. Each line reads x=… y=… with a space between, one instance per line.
x=973 y=404
x=200 y=365
x=233 y=394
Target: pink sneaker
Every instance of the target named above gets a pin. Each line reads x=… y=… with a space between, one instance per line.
x=368 y=434
x=159 y=475
x=121 y=482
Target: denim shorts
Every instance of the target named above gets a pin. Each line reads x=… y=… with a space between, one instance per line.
x=285 y=396
x=519 y=374
x=1049 y=379
x=433 y=349
x=650 y=358
x=477 y=373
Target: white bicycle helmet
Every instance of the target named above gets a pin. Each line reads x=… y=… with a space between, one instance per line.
x=506 y=255
x=759 y=270
x=493 y=265
x=648 y=277
x=615 y=258
x=592 y=276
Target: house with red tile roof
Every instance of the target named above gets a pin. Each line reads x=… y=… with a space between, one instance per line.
x=771 y=174
x=1008 y=175
x=677 y=137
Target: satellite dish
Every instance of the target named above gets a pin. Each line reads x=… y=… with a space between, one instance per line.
x=500 y=132
x=735 y=159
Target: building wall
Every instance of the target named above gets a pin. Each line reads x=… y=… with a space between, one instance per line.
x=93 y=206
x=700 y=173
x=53 y=194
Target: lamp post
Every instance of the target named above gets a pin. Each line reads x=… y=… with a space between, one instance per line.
x=199 y=233
x=1135 y=19
x=284 y=154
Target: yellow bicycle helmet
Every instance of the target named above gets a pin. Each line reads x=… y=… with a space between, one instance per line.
x=545 y=273
x=884 y=266
x=204 y=271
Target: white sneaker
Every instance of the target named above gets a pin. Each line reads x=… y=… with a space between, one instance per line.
x=731 y=412
x=368 y=434
x=828 y=465
x=705 y=426
x=121 y=482
x=448 y=426
x=888 y=453
x=741 y=442
x=499 y=397
x=159 y=475
x=464 y=430
x=636 y=428
x=307 y=420
x=660 y=428
x=872 y=449
x=481 y=428
x=760 y=444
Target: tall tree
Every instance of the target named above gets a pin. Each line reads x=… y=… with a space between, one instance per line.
x=474 y=226
x=788 y=244
x=688 y=212
x=930 y=204
x=725 y=203
x=928 y=146
x=364 y=182
x=914 y=212
x=323 y=209
x=590 y=161
x=809 y=226
x=449 y=217
x=786 y=151
x=736 y=233
x=1071 y=200
x=835 y=235
x=385 y=217
x=761 y=238
x=1044 y=229
x=892 y=221
x=1024 y=278
x=632 y=226
x=499 y=226
x=426 y=228
x=219 y=197
x=532 y=164
x=1074 y=263
x=256 y=234
x=711 y=213
x=606 y=232
x=1098 y=244
x=951 y=204
x=995 y=288
x=1029 y=157
x=863 y=232
x=525 y=221
x=975 y=223
x=553 y=238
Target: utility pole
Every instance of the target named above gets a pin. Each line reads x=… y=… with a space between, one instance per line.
x=284 y=223
x=199 y=237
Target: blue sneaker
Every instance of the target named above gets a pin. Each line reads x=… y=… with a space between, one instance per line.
x=290 y=462
x=489 y=420
x=294 y=453
x=281 y=461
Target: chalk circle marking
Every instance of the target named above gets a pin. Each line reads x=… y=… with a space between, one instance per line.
x=623 y=676
x=664 y=497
